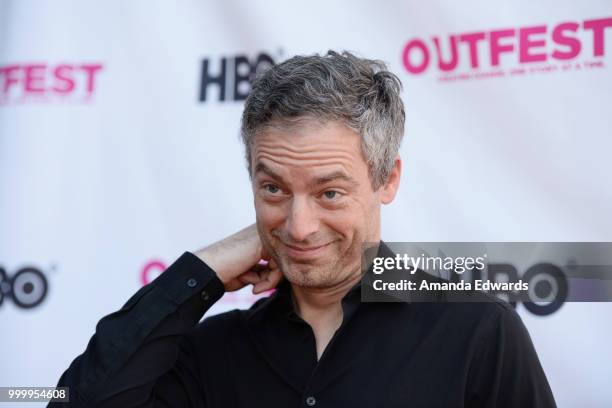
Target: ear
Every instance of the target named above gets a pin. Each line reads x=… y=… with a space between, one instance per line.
x=389 y=189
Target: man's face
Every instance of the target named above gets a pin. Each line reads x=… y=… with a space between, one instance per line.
x=314 y=201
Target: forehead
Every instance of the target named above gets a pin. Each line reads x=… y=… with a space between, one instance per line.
x=308 y=144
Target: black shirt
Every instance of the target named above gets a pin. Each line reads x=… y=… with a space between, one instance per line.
x=153 y=353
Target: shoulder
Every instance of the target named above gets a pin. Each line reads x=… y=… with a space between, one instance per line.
x=490 y=310
x=475 y=313
x=488 y=320
x=485 y=309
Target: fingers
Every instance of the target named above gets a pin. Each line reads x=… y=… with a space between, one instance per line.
x=264 y=254
x=263 y=276
x=250 y=277
x=260 y=266
x=233 y=285
x=269 y=279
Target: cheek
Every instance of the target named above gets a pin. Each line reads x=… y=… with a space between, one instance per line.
x=342 y=222
x=357 y=220
x=269 y=216
x=348 y=222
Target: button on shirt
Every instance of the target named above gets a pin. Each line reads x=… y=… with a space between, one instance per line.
x=154 y=353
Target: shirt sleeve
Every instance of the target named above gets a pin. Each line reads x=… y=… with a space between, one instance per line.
x=506 y=371
x=140 y=355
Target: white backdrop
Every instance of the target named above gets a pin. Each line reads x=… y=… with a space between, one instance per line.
x=111 y=164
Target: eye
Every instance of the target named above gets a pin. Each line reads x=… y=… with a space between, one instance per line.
x=271 y=188
x=331 y=194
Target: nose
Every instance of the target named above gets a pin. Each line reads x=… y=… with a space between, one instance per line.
x=302 y=221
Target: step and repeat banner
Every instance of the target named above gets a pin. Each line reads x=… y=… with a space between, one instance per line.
x=119 y=149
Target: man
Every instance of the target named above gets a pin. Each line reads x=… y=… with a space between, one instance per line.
x=322 y=135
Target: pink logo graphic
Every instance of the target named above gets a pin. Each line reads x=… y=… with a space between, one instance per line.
x=525 y=50
x=42 y=82
x=151 y=270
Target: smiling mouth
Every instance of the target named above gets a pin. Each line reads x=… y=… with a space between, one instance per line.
x=305 y=252
x=311 y=248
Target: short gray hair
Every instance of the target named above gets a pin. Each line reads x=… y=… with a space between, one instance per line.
x=359 y=92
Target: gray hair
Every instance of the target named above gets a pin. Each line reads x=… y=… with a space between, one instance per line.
x=359 y=92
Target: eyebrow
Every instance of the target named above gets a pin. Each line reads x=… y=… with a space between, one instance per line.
x=262 y=168
x=336 y=175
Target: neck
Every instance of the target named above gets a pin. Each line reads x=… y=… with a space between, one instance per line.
x=315 y=304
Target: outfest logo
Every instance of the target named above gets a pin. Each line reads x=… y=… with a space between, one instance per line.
x=542 y=48
x=48 y=82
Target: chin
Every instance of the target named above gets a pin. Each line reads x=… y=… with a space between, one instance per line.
x=309 y=275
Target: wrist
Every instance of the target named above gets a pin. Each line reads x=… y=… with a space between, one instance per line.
x=208 y=257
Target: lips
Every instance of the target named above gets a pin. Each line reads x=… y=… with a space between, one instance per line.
x=295 y=251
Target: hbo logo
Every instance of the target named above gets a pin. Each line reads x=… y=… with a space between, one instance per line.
x=27 y=287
